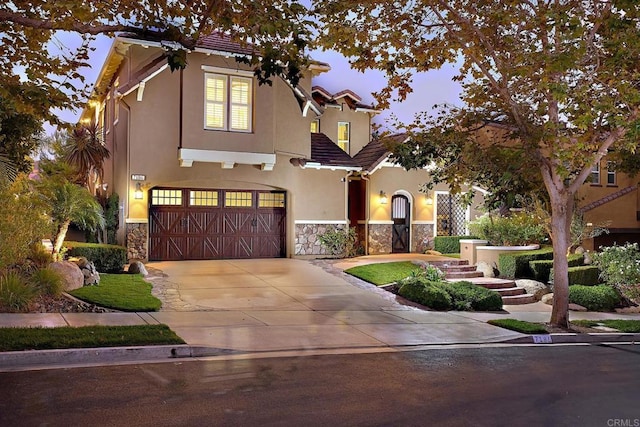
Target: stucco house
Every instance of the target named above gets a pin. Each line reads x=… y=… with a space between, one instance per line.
x=612 y=199
x=208 y=164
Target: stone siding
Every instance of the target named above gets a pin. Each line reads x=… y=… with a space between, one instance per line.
x=137 y=240
x=307 y=241
x=422 y=237
x=380 y=238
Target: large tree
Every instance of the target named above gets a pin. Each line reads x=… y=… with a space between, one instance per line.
x=31 y=42
x=561 y=75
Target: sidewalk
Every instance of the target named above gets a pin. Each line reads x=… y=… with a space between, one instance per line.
x=248 y=306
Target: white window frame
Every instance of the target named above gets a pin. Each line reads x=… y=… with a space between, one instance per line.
x=227 y=103
x=611 y=175
x=595 y=174
x=346 y=142
x=317 y=123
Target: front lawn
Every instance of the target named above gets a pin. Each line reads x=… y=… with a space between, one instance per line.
x=519 y=326
x=383 y=273
x=126 y=292
x=622 y=325
x=20 y=339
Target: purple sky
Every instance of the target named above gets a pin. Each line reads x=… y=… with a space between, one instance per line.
x=434 y=87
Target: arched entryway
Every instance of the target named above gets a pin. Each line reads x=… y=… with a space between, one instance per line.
x=401 y=217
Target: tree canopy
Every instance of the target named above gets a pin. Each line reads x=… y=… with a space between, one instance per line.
x=561 y=76
x=32 y=46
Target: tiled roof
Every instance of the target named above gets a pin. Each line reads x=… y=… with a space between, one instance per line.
x=327 y=153
x=324 y=97
x=377 y=151
x=223 y=43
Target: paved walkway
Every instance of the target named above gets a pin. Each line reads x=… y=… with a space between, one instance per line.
x=292 y=304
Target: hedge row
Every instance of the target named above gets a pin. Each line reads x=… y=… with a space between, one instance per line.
x=448 y=244
x=587 y=275
x=106 y=258
x=514 y=266
x=542 y=268
x=463 y=296
x=595 y=298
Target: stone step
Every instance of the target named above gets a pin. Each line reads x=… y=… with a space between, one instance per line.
x=508 y=292
x=488 y=282
x=519 y=299
x=462 y=274
x=455 y=268
x=443 y=264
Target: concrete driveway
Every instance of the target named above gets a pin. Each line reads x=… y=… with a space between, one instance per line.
x=291 y=304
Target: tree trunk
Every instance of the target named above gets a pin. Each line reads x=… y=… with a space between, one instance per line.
x=61 y=233
x=561 y=213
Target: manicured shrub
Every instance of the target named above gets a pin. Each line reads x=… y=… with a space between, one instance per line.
x=48 y=281
x=466 y=296
x=448 y=244
x=516 y=265
x=521 y=228
x=587 y=275
x=619 y=264
x=425 y=293
x=106 y=258
x=542 y=268
x=340 y=242
x=16 y=294
x=594 y=298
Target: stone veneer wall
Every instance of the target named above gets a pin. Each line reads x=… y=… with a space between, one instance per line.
x=307 y=241
x=422 y=237
x=380 y=238
x=136 y=241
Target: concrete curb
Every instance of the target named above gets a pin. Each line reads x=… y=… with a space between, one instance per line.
x=43 y=359
x=17 y=360
x=575 y=338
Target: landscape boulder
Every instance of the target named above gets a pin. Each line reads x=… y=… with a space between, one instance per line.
x=576 y=307
x=89 y=273
x=547 y=299
x=136 y=267
x=71 y=274
x=486 y=269
x=535 y=288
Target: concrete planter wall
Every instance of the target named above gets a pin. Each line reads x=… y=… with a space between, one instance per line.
x=490 y=254
x=468 y=249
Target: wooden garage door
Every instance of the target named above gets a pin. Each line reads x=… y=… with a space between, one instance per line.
x=216 y=224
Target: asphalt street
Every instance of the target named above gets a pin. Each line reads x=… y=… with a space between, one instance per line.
x=586 y=385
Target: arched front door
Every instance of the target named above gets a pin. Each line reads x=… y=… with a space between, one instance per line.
x=400 y=214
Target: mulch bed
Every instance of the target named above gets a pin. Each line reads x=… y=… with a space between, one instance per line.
x=64 y=304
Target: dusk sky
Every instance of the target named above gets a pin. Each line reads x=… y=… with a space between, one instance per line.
x=434 y=87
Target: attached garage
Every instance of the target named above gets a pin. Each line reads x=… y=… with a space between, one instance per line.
x=192 y=224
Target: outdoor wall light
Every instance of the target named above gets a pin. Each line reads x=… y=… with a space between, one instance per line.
x=138 y=193
x=383 y=198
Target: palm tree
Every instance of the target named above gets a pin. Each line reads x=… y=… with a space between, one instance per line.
x=8 y=169
x=67 y=203
x=86 y=152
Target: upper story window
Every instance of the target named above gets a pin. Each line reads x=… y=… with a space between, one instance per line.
x=343 y=135
x=595 y=174
x=315 y=126
x=228 y=102
x=611 y=174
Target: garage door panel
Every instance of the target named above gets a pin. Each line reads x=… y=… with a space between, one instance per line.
x=206 y=222
x=238 y=247
x=203 y=247
x=166 y=249
x=238 y=222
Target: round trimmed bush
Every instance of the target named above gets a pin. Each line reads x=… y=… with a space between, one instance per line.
x=594 y=298
x=467 y=296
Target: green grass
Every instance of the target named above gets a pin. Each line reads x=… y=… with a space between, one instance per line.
x=519 y=326
x=622 y=325
x=19 y=339
x=383 y=273
x=452 y=255
x=126 y=292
